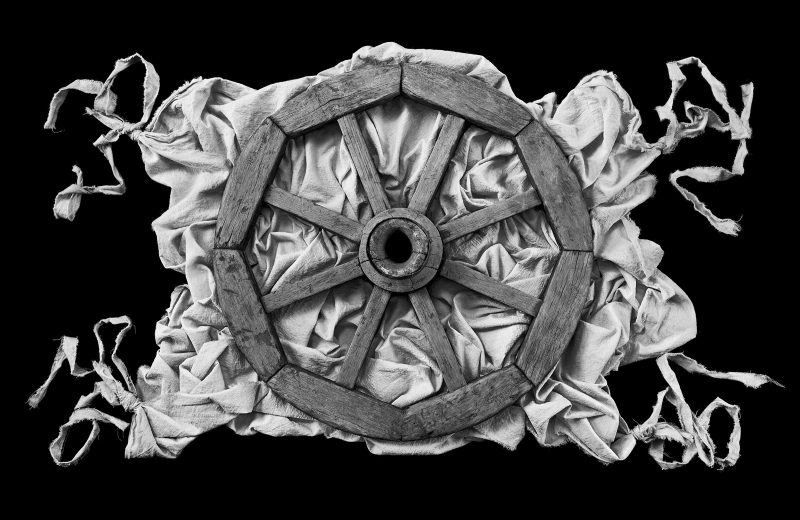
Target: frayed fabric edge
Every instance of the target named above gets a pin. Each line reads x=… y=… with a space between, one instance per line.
x=109 y=388
x=700 y=118
x=693 y=432
x=68 y=201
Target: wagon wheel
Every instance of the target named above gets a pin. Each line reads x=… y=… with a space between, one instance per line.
x=465 y=403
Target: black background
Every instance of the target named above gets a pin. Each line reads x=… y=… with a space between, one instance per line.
x=65 y=276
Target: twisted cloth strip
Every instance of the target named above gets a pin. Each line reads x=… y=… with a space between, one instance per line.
x=105 y=103
x=738 y=126
x=108 y=387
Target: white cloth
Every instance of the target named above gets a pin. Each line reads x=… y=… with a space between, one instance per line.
x=199 y=380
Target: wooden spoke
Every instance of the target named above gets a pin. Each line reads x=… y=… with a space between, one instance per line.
x=551 y=331
x=442 y=350
x=437 y=163
x=354 y=140
x=359 y=346
x=466 y=406
x=251 y=174
x=340 y=407
x=490 y=287
x=314 y=213
x=249 y=324
x=495 y=213
x=311 y=285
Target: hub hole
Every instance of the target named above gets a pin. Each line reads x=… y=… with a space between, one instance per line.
x=398 y=247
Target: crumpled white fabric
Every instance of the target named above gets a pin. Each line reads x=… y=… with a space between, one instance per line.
x=199 y=380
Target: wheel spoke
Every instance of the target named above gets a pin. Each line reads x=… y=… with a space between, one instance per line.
x=494 y=213
x=305 y=287
x=488 y=286
x=314 y=213
x=365 y=169
x=362 y=339
x=432 y=327
x=437 y=163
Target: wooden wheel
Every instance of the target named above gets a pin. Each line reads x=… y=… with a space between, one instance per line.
x=464 y=99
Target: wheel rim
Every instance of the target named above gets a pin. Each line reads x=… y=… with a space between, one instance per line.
x=464 y=99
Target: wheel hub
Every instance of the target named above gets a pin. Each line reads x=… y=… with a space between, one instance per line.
x=400 y=250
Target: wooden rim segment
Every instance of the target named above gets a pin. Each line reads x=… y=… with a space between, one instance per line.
x=361 y=414
x=549 y=334
x=464 y=403
x=465 y=96
x=248 y=322
x=338 y=96
x=251 y=174
x=558 y=187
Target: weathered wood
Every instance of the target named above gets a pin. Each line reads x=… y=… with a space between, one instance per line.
x=305 y=287
x=250 y=175
x=362 y=161
x=249 y=324
x=558 y=187
x=467 y=406
x=432 y=327
x=488 y=286
x=395 y=280
x=378 y=241
x=339 y=407
x=338 y=96
x=314 y=213
x=553 y=327
x=436 y=165
x=362 y=339
x=466 y=96
x=464 y=405
x=498 y=211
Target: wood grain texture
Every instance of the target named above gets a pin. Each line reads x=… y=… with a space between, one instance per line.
x=557 y=186
x=314 y=213
x=337 y=406
x=551 y=331
x=380 y=237
x=362 y=339
x=305 y=287
x=338 y=96
x=488 y=286
x=360 y=414
x=250 y=175
x=467 y=406
x=498 y=211
x=362 y=161
x=465 y=96
x=442 y=350
x=238 y=298
x=437 y=162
